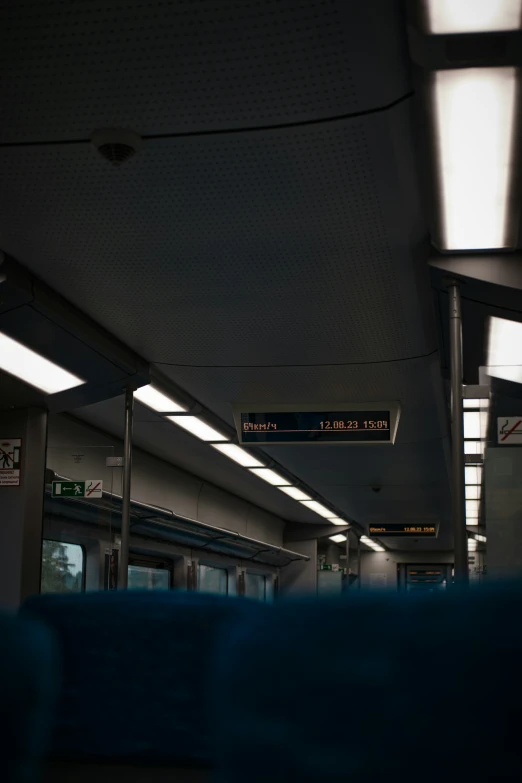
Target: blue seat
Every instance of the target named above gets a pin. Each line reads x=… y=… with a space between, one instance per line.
x=136 y=669
x=28 y=668
x=373 y=688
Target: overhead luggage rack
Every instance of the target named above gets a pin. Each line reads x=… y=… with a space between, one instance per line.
x=162 y=523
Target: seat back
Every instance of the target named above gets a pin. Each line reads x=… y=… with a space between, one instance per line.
x=374 y=688
x=136 y=668
x=28 y=682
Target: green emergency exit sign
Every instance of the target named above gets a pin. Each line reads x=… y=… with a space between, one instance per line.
x=90 y=488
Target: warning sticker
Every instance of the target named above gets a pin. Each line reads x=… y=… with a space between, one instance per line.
x=10 y=449
x=509 y=430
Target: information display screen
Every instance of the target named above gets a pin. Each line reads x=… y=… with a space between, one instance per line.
x=405 y=530
x=356 y=426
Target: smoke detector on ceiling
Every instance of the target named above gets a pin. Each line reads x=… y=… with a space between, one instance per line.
x=116 y=144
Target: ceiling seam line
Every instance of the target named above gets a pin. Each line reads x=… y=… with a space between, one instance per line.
x=228 y=131
x=283 y=366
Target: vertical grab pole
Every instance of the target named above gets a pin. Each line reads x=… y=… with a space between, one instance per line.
x=457 y=436
x=359 y=562
x=126 y=491
x=347 y=582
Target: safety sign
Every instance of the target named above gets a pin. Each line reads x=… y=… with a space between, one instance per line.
x=509 y=430
x=10 y=449
x=89 y=488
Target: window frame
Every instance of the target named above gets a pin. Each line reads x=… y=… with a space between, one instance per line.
x=153 y=562
x=84 y=563
x=220 y=567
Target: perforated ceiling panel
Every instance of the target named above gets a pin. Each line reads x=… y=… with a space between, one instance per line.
x=279 y=224
x=282 y=247
x=170 y=66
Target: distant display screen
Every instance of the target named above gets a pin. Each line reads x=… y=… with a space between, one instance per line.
x=404 y=530
x=316 y=427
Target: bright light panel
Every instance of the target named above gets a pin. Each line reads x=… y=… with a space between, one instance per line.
x=156 y=400
x=239 y=455
x=472 y=424
x=471 y=521
x=505 y=349
x=377 y=548
x=472 y=545
x=197 y=427
x=32 y=368
x=471 y=403
x=271 y=476
x=480 y=538
x=295 y=493
x=473 y=474
x=472 y=509
x=473 y=447
x=474 y=110
x=339 y=538
x=318 y=508
x=337 y=521
x=473 y=492
x=473 y=16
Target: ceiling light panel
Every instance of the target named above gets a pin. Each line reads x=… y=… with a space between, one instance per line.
x=295 y=493
x=339 y=538
x=472 y=544
x=474 y=122
x=198 y=428
x=271 y=477
x=337 y=521
x=238 y=454
x=505 y=349
x=318 y=508
x=473 y=447
x=472 y=424
x=473 y=16
x=471 y=403
x=29 y=366
x=472 y=509
x=473 y=474
x=153 y=398
x=473 y=491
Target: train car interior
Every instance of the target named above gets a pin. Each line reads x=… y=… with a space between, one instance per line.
x=260 y=390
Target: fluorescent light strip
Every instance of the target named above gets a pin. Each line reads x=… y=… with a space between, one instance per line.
x=472 y=16
x=472 y=508
x=471 y=403
x=295 y=493
x=482 y=539
x=471 y=521
x=473 y=474
x=153 y=398
x=318 y=508
x=339 y=538
x=238 y=454
x=271 y=477
x=505 y=349
x=472 y=425
x=473 y=491
x=474 y=118
x=473 y=447
x=472 y=545
x=30 y=367
x=198 y=428
x=337 y=521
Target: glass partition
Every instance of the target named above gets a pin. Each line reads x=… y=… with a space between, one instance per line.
x=212 y=580
x=255 y=586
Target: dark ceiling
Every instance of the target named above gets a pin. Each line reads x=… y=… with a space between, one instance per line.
x=267 y=244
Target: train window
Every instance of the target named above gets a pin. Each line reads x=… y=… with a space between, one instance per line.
x=145 y=578
x=255 y=586
x=213 y=580
x=63 y=567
